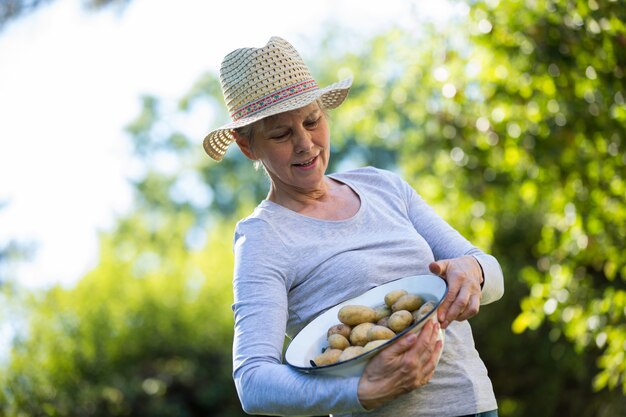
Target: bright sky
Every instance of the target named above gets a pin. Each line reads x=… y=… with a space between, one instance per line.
x=70 y=81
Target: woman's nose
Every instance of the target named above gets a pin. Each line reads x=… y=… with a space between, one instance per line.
x=303 y=141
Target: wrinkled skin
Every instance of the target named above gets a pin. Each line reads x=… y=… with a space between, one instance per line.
x=464 y=277
x=402 y=367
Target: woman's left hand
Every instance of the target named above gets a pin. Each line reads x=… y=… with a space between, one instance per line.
x=464 y=276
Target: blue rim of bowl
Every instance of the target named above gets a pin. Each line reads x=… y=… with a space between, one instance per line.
x=377 y=348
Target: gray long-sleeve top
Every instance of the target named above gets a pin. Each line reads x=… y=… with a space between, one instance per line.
x=289 y=268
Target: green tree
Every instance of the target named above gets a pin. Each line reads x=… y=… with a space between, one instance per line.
x=565 y=120
x=146 y=333
x=11 y=10
x=510 y=122
x=552 y=83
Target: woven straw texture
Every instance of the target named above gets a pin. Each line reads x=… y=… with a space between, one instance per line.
x=260 y=82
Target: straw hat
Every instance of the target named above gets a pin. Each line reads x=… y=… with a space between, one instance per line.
x=260 y=82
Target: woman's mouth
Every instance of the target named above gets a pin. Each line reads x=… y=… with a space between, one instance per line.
x=307 y=163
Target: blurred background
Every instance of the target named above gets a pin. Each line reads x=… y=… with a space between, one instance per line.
x=509 y=117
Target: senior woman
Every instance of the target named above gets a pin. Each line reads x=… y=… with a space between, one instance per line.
x=319 y=239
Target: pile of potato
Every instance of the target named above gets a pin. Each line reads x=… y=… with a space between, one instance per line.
x=364 y=328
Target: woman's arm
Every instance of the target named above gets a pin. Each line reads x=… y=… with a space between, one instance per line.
x=265 y=385
x=474 y=278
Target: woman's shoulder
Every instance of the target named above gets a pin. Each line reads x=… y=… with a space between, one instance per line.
x=370 y=175
x=259 y=222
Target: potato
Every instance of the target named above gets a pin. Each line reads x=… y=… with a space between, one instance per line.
x=350 y=352
x=383 y=322
x=373 y=344
x=400 y=320
x=358 y=336
x=329 y=356
x=362 y=328
x=342 y=329
x=338 y=341
x=409 y=302
x=353 y=315
x=382 y=311
x=377 y=332
x=380 y=333
x=392 y=296
x=426 y=308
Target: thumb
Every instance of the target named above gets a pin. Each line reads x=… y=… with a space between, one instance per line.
x=403 y=345
x=439 y=267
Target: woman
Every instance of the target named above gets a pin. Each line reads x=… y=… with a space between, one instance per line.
x=319 y=239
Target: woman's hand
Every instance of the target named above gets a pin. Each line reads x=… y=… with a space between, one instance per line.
x=402 y=367
x=464 y=276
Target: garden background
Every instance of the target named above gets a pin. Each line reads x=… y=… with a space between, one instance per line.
x=510 y=120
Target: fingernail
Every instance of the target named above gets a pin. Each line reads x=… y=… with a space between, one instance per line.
x=411 y=338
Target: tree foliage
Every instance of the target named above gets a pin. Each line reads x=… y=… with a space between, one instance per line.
x=571 y=115
x=513 y=126
x=555 y=89
x=147 y=333
x=11 y=10
x=511 y=122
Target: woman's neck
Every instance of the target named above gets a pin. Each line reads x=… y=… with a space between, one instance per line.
x=297 y=199
x=331 y=201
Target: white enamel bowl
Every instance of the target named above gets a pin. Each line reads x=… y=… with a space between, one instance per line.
x=312 y=339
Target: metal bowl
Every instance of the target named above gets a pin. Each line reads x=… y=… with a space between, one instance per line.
x=312 y=339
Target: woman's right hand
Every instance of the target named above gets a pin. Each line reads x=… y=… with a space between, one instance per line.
x=402 y=367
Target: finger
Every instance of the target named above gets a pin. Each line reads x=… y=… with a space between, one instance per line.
x=434 y=357
x=425 y=332
x=405 y=343
x=430 y=365
x=434 y=333
x=427 y=340
x=439 y=267
x=459 y=305
x=423 y=339
x=436 y=354
x=472 y=308
x=393 y=356
x=451 y=295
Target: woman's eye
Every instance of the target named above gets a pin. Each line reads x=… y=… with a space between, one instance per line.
x=312 y=123
x=279 y=135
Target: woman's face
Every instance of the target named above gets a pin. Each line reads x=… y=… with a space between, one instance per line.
x=294 y=148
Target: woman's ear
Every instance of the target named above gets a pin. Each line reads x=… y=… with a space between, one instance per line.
x=244 y=145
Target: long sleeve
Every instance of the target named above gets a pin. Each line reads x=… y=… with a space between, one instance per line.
x=290 y=268
x=493 y=284
x=264 y=384
x=446 y=242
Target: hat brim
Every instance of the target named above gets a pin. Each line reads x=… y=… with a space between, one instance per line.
x=217 y=141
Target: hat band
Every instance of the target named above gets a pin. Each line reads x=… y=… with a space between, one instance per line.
x=273 y=98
